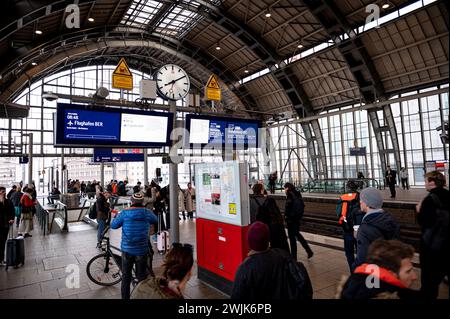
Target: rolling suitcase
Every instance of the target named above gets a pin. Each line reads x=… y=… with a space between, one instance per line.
x=15 y=251
x=162 y=238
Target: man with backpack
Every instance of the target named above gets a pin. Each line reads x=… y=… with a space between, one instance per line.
x=135 y=222
x=376 y=224
x=349 y=214
x=269 y=273
x=433 y=217
x=265 y=209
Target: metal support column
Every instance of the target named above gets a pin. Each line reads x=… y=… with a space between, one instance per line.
x=390 y=122
x=174 y=230
x=63 y=185
x=30 y=156
x=146 y=182
x=102 y=174
x=373 y=116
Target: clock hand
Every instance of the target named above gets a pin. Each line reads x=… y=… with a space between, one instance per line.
x=173 y=81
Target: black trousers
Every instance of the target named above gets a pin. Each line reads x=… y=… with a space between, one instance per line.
x=272 y=188
x=392 y=189
x=294 y=235
x=405 y=183
x=3 y=238
x=128 y=261
x=433 y=270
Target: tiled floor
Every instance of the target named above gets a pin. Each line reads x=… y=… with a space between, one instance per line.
x=44 y=274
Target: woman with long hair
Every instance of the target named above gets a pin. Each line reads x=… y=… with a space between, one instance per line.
x=177 y=270
x=293 y=213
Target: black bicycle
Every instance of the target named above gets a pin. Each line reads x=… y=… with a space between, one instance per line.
x=105 y=269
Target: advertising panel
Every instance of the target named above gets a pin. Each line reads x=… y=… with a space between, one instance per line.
x=222 y=192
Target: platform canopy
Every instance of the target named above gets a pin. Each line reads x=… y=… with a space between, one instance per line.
x=271 y=56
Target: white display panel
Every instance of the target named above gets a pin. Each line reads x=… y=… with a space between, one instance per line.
x=199 y=133
x=222 y=192
x=143 y=128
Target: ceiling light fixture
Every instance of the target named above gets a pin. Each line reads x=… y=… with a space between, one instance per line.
x=218 y=47
x=246 y=70
x=91 y=19
x=385 y=6
x=268 y=15
x=300 y=46
x=38 y=32
x=33 y=63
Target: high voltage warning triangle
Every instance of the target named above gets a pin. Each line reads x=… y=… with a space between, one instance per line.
x=213 y=83
x=122 y=68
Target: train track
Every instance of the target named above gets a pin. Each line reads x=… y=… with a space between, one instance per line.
x=322 y=224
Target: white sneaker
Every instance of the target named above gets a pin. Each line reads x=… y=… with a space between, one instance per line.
x=2 y=263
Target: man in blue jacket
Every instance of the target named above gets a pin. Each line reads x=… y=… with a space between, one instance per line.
x=376 y=224
x=135 y=222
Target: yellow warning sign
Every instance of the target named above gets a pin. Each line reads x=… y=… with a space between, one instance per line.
x=122 y=78
x=212 y=89
x=232 y=208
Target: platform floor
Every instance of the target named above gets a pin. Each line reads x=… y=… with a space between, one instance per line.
x=44 y=276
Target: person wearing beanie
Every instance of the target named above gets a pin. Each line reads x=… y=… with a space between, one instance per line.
x=135 y=222
x=376 y=224
x=264 y=274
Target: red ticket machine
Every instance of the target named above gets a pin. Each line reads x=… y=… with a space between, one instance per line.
x=223 y=221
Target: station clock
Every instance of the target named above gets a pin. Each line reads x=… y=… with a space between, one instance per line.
x=172 y=82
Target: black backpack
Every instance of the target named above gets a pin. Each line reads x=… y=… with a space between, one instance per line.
x=300 y=287
x=263 y=212
x=436 y=236
x=93 y=211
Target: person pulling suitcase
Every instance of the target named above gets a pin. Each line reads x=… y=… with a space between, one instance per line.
x=162 y=237
x=15 y=250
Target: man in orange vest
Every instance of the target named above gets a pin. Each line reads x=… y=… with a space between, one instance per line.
x=349 y=213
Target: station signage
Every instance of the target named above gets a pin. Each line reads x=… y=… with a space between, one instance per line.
x=103 y=127
x=214 y=130
x=357 y=151
x=108 y=155
x=122 y=78
x=212 y=89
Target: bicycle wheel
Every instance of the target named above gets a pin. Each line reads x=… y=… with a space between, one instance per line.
x=103 y=270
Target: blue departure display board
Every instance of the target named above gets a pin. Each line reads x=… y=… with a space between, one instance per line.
x=118 y=155
x=79 y=125
x=91 y=125
x=221 y=131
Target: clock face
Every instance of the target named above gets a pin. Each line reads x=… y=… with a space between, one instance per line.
x=172 y=82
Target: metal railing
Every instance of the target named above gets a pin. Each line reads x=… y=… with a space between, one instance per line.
x=60 y=216
x=42 y=216
x=337 y=185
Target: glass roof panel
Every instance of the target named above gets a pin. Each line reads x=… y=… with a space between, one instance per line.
x=145 y=10
x=176 y=18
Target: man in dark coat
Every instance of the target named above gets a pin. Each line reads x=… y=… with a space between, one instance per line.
x=103 y=214
x=264 y=274
x=391 y=180
x=434 y=245
x=6 y=219
x=11 y=191
x=137 y=188
x=272 y=180
x=265 y=209
x=388 y=273
x=376 y=224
